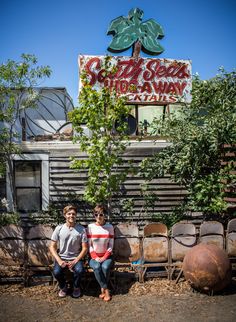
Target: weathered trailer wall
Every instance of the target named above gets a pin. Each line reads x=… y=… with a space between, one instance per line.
x=2 y=191
x=66 y=185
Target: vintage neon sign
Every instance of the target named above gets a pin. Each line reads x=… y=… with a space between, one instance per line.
x=142 y=80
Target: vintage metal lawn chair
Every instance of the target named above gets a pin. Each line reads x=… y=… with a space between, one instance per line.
x=231 y=241
x=155 y=250
x=127 y=248
x=212 y=233
x=12 y=251
x=183 y=238
x=39 y=258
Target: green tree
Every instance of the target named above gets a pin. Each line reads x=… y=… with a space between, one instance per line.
x=104 y=114
x=18 y=80
x=199 y=137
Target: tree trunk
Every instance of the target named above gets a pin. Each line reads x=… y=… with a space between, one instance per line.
x=136 y=49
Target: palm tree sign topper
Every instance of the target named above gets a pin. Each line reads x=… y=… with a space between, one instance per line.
x=128 y=31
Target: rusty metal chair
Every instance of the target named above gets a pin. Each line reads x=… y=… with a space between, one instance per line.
x=212 y=233
x=155 y=250
x=12 y=252
x=39 y=258
x=231 y=241
x=127 y=248
x=183 y=238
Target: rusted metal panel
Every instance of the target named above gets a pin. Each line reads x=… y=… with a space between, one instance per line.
x=12 y=252
x=153 y=229
x=211 y=227
x=127 y=249
x=11 y=231
x=12 y=246
x=183 y=229
x=38 y=253
x=212 y=233
x=180 y=246
x=126 y=229
x=183 y=238
x=40 y=232
x=155 y=249
x=212 y=240
x=231 y=244
x=231 y=238
x=38 y=241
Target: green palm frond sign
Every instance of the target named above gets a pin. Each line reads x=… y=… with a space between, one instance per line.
x=127 y=31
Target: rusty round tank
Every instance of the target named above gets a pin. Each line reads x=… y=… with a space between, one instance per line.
x=207 y=268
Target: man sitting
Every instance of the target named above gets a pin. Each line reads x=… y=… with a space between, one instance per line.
x=71 y=239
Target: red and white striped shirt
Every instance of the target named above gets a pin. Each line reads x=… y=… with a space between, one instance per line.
x=101 y=240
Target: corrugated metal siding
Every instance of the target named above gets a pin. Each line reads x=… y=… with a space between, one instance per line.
x=2 y=190
x=230 y=157
x=67 y=185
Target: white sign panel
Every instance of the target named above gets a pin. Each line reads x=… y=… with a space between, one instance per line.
x=142 y=80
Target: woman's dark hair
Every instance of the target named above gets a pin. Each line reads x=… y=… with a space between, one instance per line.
x=100 y=208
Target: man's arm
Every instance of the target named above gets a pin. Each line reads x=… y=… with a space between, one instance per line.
x=53 y=250
x=80 y=256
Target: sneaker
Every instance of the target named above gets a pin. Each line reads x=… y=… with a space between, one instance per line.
x=76 y=292
x=62 y=292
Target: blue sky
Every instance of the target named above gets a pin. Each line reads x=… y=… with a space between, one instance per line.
x=58 y=31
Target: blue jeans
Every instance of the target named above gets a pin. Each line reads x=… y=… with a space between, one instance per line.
x=59 y=274
x=101 y=271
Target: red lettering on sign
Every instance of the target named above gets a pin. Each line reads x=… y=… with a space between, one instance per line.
x=129 y=69
x=92 y=63
x=138 y=98
x=124 y=86
x=182 y=72
x=172 y=99
x=146 y=87
x=180 y=88
x=142 y=80
x=149 y=74
x=159 y=87
x=161 y=71
x=153 y=98
x=101 y=76
x=108 y=83
x=170 y=88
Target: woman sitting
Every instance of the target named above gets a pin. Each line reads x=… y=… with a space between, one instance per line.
x=101 y=240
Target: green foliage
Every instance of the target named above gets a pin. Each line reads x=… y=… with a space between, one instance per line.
x=199 y=137
x=100 y=111
x=129 y=30
x=52 y=217
x=17 y=91
x=127 y=206
x=168 y=219
x=208 y=193
x=7 y=219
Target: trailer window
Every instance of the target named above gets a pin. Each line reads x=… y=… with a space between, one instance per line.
x=28 y=185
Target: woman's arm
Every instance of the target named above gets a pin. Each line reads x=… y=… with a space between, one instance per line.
x=109 y=246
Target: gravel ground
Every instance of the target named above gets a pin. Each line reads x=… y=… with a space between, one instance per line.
x=155 y=300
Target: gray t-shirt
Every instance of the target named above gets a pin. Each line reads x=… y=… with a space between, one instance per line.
x=69 y=240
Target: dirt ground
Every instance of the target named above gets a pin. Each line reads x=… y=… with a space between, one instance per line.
x=155 y=300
